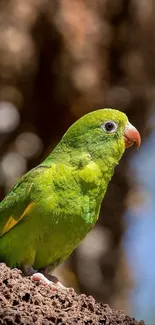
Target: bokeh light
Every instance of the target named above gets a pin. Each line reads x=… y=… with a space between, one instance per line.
x=9 y=117
x=29 y=145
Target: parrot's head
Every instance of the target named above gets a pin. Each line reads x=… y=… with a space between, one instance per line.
x=102 y=134
x=107 y=130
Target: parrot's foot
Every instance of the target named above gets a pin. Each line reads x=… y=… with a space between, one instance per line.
x=54 y=283
x=44 y=276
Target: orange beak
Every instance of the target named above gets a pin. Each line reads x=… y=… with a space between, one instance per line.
x=131 y=135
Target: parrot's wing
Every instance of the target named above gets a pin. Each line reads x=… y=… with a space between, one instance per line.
x=17 y=203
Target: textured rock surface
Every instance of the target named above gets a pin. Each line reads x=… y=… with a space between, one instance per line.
x=25 y=302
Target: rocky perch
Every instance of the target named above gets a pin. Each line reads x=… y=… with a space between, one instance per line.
x=25 y=302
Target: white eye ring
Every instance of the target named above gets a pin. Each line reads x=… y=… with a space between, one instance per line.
x=110 y=126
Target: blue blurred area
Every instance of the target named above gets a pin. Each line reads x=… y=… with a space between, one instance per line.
x=140 y=238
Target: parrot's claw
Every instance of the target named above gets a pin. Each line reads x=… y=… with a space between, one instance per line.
x=54 y=285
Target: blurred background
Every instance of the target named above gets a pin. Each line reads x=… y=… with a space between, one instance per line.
x=59 y=60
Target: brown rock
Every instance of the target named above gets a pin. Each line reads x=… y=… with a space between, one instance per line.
x=25 y=302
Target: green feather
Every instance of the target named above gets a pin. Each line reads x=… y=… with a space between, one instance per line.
x=53 y=207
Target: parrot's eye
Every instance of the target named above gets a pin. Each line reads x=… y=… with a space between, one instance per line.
x=109 y=126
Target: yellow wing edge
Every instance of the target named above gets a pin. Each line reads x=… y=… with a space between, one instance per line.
x=12 y=221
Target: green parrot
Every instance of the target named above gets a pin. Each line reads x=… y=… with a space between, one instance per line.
x=53 y=206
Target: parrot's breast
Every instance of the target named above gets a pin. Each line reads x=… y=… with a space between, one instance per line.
x=60 y=234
